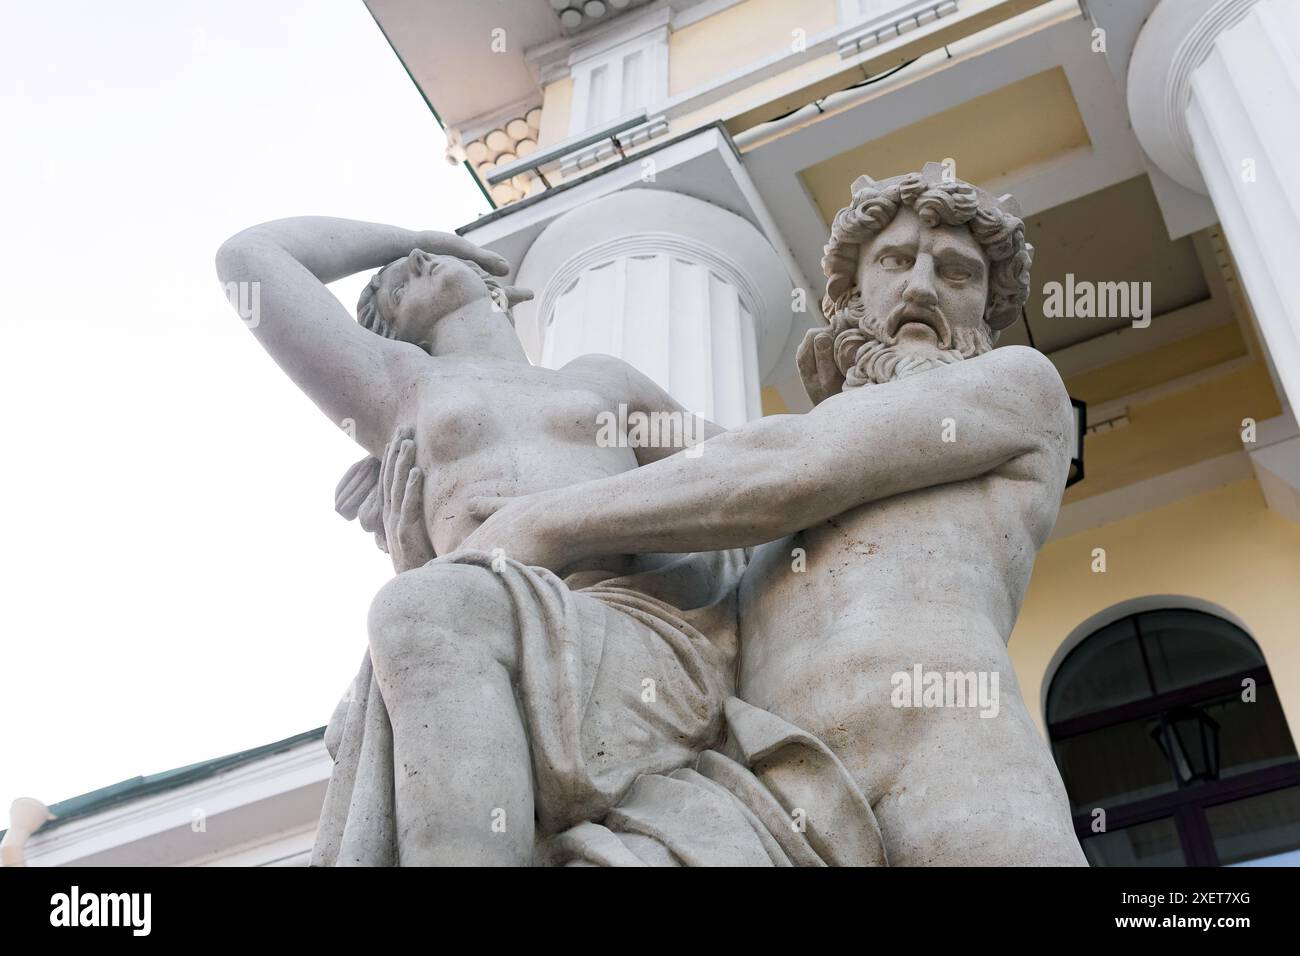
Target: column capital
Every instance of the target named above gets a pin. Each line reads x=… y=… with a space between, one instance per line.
x=1176 y=39
x=644 y=223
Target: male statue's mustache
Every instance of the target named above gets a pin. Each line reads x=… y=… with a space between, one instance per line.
x=906 y=312
x=867 y=351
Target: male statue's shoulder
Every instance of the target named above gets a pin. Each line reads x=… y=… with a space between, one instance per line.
x=1030 y=360
x=597 y=362
x=1027 y=369
x=1041 y=403
x=617 y=375
x=608 y=370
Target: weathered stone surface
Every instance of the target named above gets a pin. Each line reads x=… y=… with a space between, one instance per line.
x=595 y=673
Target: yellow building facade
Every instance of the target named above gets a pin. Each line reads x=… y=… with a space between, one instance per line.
x=1188 y=504
x=663 y=174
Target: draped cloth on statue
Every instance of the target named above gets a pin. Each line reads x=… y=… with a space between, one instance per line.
x=618 y=677
x=776 y=797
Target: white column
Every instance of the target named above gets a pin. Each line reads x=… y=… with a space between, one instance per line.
x=1214 y=94
x=686 y=292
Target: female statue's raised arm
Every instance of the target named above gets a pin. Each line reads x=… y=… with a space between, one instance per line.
x=348 y=371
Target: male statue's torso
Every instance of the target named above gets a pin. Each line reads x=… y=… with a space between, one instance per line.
x=935 y=578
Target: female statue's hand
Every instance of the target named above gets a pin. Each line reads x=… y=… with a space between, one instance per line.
x=450 y=244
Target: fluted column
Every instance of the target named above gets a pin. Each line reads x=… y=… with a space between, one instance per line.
x=691 y=295
x=1214 y=93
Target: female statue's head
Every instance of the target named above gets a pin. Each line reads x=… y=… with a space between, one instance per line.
x=405 y=299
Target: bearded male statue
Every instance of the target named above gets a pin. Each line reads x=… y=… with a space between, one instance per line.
x=898 y=523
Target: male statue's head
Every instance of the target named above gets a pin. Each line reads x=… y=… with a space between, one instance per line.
x=407 y=298
x=922 y=270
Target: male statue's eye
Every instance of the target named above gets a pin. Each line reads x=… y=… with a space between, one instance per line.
x=896 y=261
x=956 y=273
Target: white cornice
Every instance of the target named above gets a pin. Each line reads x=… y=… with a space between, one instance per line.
x=696 y=12
x=150 y=818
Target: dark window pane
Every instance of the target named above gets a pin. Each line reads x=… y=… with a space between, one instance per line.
x=1209 y=734
x=1113 y=766
x=1104 y=671
x=1252 y=736
x=1256 y=827
x=1147 y=844
x=1186 y=648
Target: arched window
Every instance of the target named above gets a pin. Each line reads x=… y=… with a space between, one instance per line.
x=1173 y=746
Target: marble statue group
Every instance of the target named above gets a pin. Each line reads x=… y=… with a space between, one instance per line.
x=612 y=653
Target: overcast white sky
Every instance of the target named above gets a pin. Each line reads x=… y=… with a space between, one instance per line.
x=174 y=582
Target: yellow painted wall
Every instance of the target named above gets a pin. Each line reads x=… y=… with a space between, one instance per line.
x=750 y=32
x=973 y=133
x=773 y=403
x=756 y=94
x=1223 y=546
x=739 y=35
x=1177 y=430
x=713 y=47
x=557 y=104
x=1147 y=369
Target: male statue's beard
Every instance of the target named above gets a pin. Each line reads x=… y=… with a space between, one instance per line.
x=868 y=352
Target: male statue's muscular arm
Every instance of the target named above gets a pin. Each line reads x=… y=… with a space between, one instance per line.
x=784 y=473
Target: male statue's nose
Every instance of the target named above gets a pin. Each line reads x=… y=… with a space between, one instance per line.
x=919 y=290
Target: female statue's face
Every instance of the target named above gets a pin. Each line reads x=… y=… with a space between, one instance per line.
x=415 y=292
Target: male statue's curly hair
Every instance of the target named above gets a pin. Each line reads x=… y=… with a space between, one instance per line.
x=938 y=200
